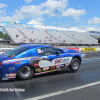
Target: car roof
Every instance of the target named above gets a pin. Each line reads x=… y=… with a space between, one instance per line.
x=30 y=46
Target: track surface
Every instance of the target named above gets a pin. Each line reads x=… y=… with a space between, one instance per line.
x=63 y=84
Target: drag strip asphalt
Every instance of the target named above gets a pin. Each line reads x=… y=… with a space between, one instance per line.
x=61 y=85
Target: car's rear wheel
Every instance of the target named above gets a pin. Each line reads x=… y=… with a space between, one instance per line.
x=25 y=72
x=75 y=64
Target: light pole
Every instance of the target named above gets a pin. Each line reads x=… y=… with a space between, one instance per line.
x=56 y=11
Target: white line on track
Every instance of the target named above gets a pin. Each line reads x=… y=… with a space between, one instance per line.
x=91 y=59
x=63 y=91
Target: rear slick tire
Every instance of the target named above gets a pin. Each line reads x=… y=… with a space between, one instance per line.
x=25 y=73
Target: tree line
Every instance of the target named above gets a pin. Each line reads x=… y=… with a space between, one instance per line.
x=4 y=36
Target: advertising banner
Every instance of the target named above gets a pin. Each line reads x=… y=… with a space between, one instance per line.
x=95 y=32
x=14 y=23
x=89 y=49
x=77 y=49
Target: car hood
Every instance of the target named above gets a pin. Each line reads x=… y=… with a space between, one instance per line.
x=4 y=57
x=68 y=50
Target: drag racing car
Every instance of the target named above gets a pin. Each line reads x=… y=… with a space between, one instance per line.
x=28 y=60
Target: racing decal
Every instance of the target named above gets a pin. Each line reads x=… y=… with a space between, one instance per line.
x=18 y=62
x=54 y=62
x=52 y=67
x=62 y=65
x=42 y=73
x=7 y=63
x=39 y=70
x=47 y=53
x=58 y=66
x=11 y=68
x=51 y=70
x=40 y=51
x=7 y=75
x=36 y=64
x=5 y=78
x=20 y=59
x=45 y=68
x=12 y=56
x=67 y=64
x=13 y=62
x=12 y=75
x=58 y=61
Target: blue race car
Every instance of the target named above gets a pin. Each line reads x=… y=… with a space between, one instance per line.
x=33 y=59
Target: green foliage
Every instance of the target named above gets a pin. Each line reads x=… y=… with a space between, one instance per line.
x=5 y=36
x=1 y=34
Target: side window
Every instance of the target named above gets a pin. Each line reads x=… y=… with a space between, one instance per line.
x=51 y=51
x=46 y=51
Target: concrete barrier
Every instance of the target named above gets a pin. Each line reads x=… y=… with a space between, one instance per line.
x=88 y=54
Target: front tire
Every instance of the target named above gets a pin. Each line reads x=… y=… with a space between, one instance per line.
x=25 y=72
x=75 y=64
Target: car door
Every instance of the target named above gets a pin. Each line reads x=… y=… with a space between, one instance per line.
x=50 y=54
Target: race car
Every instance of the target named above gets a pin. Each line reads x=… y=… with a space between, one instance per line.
x=29 y=60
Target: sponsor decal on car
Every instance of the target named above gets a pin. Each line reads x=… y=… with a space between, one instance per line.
x=58 y=61
x=7 y=63
x=7 y=75
x=39 y=70
x=54 y=62
x=42 y=73
x=53 y=67
x=58 y=66
x=12 y=75
x=12 y=62
x=5 y=78
x=40 y=51
x=64 y=68
x=18 y=62
x=67 y=64
x=36 y=64
x=47 y=53
x=11 y=68
x=45 y=68
x=51 y=70
x=62 y=65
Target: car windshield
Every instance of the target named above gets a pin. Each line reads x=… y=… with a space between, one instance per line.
x=16 y=51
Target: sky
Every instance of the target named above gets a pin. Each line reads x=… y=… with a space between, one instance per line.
x=74 y=14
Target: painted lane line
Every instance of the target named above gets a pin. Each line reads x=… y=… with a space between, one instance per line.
x=63 y=91
x=91 y=59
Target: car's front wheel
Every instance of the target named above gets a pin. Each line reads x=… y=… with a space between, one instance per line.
x=75 y=64
x=25 y=72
